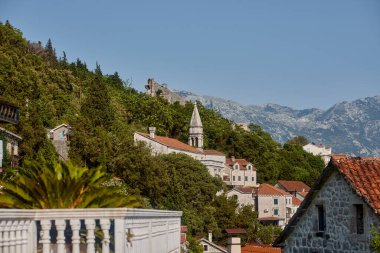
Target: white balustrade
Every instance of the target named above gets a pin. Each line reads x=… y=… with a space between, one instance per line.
x=127 y=230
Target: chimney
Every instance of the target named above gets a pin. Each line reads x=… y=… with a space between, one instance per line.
x=210 y=235
x=233 y=158
x=233 y=245
x=152 y=131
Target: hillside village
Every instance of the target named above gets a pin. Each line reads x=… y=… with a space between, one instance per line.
x=237 y=189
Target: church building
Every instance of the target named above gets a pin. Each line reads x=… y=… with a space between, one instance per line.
x=215 y=161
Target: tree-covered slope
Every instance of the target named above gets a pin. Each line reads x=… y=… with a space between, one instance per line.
x=104 y=111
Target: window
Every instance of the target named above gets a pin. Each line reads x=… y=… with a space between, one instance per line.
x=236 y=166
x=249 y=167
x=205 y=248
x=246 y=178
x=233 y=178
x=275 y=211
x=321 y=218
x=359 y=219
x=275 y=202
x=239 y=178
x=253 y=179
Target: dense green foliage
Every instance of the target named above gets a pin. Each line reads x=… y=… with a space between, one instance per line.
x=104 y=112
x=62 y=185
x=375 y=242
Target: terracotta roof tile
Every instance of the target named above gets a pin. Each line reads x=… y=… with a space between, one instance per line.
x=259 y=248
x=363 y=174
x=296 y=202
x=246 y=189
x=242 y=163
x=235 y=231
x=212 y=152
x=267 y=189
x=303 y=194
x=297 y=186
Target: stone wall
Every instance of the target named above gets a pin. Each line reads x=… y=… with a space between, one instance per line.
x=338 y=200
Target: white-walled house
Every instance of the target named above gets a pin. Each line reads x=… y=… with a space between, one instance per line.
x=273 y=205
x=239 y=172
x=231 y=171
x=319 y=150
x=338 y=213
x=212 y=159
x=244 y=195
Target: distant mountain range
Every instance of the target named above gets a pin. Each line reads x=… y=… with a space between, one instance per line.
x=348 y=127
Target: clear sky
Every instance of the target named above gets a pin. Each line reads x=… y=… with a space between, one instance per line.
x=296 y=53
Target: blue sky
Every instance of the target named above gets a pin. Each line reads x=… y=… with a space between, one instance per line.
x=296 y=53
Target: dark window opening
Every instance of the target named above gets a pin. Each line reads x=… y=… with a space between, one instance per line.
x=321 y=219
x=359 y=219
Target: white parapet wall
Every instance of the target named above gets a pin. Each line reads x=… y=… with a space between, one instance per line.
x=92 y=230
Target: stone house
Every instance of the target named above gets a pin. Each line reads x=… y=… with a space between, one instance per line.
x=11 y=142
x=60 y=137
x=239 y=172
x=297 y=188
x=274 y=206
x=319 y=150
x=339 y=211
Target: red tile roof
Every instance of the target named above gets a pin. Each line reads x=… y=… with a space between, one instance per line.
x=242 y=163
x=259 y=248
x=183 y=229
x=212 y=152
x=363 y=174
x=174 y=143
x=295 y=201
x=235 y=231
x=267 y=189
x=303 y=194
x=247 y=189
x=297 y=186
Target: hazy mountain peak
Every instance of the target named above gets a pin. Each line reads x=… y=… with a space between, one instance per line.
x=349 y=127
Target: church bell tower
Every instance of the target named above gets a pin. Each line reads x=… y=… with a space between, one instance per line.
x=196 y=129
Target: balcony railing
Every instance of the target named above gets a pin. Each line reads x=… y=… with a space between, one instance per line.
x=119 y=230
x=9 y=113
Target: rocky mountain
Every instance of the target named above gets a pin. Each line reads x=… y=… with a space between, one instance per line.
x=348 y=127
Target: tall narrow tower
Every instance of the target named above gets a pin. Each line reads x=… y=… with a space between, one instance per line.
x=196 y=129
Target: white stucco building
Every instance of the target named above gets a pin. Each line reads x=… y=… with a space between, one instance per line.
x=239 y=172
x=244 y=195
x=275 y=206
x=319 y=150
x=233 y=171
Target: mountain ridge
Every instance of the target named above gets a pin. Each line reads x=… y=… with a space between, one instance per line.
x=349 y=127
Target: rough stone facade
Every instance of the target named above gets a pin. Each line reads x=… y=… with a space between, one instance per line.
x=340 y=234
x=155 y=89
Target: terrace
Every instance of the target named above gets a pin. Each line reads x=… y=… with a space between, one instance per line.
x=9 y=113
x=106 y=230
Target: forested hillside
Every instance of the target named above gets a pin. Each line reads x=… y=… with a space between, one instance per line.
x=104 y=111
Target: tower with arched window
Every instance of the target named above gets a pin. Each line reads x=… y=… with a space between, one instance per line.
x=196 y=129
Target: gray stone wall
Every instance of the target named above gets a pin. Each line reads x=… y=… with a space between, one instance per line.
x=62 y=149
x=340 y=235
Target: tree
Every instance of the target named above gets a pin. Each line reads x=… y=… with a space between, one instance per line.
x=60 y=185
x=375 y=242
x=298 y=140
